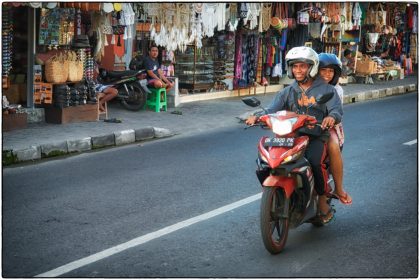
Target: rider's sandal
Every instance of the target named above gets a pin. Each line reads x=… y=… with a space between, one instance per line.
x=327 y=217
x=113 y=120
x=345 y=199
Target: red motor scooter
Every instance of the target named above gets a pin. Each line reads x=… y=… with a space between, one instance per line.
x=289 y=198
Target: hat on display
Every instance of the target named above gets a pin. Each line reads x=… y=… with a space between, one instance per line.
x=35 y=5
x=51 y=5
x=81 y=42
x=107 y=7
x=117 y=7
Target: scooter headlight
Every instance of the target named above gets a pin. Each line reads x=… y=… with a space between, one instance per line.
x=282 y=127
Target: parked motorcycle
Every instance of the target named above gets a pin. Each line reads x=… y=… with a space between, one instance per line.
x=132 y=93
x=289 y=198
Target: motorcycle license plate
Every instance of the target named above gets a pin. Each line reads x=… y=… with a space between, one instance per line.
x=279 y=142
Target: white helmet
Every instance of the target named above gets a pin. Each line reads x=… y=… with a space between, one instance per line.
x=302 y=54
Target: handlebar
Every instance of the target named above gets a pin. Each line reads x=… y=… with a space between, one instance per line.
x=262 y=125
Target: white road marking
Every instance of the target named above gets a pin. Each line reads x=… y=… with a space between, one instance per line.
x=411 y=142
x=146 y=238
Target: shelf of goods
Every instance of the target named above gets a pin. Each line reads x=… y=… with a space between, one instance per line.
x=224 y=58
x=195 y=69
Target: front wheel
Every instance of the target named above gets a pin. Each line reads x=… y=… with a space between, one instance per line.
x=274 y=227
x=136 y=98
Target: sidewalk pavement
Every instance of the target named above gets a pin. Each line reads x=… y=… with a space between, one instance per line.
x=43 y=140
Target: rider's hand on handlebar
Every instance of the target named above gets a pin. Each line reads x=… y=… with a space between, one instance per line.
x=328 y=122
x=251 y=120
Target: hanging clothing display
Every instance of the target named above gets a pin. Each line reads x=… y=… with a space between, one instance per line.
x=357 y=15
x=413 y=48
x=233 y=19
x=265 y=16
x=7 y=42
x=209 y=19
x=224 y=59
x=254 y=12
x=221 y=16
x=238 y=58
x=299 y=36
x=126 y=18
x=247 y=54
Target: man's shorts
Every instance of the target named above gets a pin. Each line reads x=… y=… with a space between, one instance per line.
x=101 y=88
x=151 y=81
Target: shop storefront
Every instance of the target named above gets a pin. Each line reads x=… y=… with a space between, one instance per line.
x=15 y=58
x=382 y=38
x=207 y=47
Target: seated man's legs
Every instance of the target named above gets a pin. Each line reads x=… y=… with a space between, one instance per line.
x=169 y=86
x=156 y=83
x=110 y=93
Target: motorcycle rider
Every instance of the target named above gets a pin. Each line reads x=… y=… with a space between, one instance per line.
x=330 y=68
x=302 y=66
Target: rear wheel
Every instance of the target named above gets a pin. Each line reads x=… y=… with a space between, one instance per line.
x=136 y=98
x=274 y=227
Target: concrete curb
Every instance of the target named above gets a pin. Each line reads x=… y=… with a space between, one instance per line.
x=145 y=133
x=80 y=145
x=130 y=136
x=124 y=137
x=54 y=149
x=378 y=93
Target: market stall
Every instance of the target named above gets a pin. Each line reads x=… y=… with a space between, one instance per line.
x=14 y=82
x=207 y=47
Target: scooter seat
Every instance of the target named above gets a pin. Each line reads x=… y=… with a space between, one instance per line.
x=120 y=74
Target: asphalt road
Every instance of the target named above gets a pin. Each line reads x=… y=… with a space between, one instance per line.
x=59 y=212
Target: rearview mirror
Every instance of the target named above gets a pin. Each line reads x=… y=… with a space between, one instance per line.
x=251 y=101
x=324 y=98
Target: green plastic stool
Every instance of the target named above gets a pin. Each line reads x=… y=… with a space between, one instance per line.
x=156 y=99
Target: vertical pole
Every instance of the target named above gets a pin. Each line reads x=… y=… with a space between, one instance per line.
x=31 y=58
x=357 y=48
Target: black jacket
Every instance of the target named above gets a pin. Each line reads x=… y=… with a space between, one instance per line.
x=285 y=100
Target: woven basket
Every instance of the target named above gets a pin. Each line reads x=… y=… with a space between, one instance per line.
x=56 y=71
x=75 y=71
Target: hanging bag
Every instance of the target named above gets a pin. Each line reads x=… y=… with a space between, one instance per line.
x=303 y=17
x=370 y=15
x=275 y=21
x=118 y=30
x=372 y=39
x=380 y=16
x=106 y=26
x=335 y=13
x=75 y=68
x=288 y=22
x=56 y=69
x=279 y=21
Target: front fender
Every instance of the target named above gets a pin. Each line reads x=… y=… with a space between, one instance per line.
x=286 y=183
